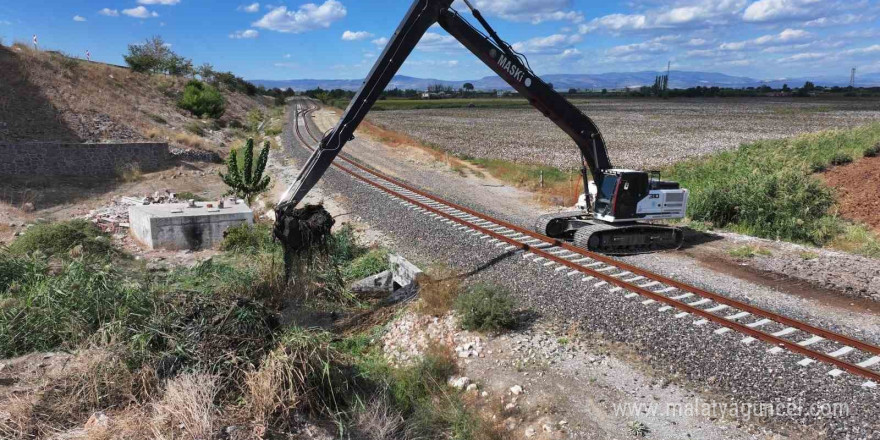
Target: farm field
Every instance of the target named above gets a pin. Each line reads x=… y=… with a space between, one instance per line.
x=640 y=133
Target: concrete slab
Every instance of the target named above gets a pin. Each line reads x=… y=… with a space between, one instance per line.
x=179 y=227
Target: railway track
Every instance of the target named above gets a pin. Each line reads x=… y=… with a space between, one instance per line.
x=818 y=346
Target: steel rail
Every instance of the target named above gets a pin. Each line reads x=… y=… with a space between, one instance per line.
x=741 y=328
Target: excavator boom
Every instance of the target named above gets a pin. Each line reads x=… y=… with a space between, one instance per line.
x=623 y=197
x=497 y=55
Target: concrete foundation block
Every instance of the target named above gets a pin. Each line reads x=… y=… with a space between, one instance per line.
x=179 y=227
x=403 y=272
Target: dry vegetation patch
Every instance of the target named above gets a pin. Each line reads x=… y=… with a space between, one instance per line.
x=52 y=97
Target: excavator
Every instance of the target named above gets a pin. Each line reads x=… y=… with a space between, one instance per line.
x=611 y=217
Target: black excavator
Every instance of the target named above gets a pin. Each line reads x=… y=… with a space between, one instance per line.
x=609 y=218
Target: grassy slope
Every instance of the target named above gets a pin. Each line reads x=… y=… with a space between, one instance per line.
x=768 y=189
x=54 y=97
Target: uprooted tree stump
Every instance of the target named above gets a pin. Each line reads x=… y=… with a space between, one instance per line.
x=302 y=231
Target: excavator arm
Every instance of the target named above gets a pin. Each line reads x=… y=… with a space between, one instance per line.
x=498 y=56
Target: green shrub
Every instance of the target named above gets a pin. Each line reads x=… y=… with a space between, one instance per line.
x=42 y=311
x=766 y=188
x=486 y=308
x=841 y=159
x=245 y=178
x=202 y=99
x=255 y=117
x=872 y=151
x=371 y=263
x=248 y=239
x=61 y=237
x=186 y=195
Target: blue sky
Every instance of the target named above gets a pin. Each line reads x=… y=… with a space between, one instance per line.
x=340 y=39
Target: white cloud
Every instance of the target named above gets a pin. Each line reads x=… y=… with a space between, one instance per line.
x=307 y=18
x=839 y=20
x=251 y=8
x=288 y=56
x=158 y=2
x=773 y=10
x=109 y=12
x=286 y=65
x=78 y=18
x=656 y=45
x=140 y=12
x=686 y=14
x=356 y=35
x=806 y=56
x=786 y=36
x=432 y=63
x=553 y=44
x=570 y=54
x=533 y=11
x=696 y=42
x=381 y=41
x=432 y=42
x=863 y=50
x=250 y=33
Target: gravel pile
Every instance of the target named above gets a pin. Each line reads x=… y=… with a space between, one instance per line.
x=641 y=134
x=716 y=362
x=410 y=336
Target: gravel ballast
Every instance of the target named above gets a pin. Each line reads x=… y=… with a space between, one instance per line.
x=718 y=362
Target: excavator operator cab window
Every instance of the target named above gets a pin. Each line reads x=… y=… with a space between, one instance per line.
x=605 y=194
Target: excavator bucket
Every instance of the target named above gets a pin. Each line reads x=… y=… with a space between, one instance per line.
x=301 y=230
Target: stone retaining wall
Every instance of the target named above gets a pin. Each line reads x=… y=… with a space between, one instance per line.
x=80 y=160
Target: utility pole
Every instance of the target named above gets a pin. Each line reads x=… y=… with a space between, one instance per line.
x=852 y=78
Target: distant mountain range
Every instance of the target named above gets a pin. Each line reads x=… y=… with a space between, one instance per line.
x=614 y=80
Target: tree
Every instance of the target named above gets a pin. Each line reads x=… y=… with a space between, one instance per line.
x=572 y=91
x=148 y=57
x=202 y=99
x=786 y=88
x=244 y=180
x=468 y=86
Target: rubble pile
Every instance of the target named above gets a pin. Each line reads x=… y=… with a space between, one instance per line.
x=112 y=217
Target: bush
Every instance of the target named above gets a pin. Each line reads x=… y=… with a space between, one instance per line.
x=766 y=188
x=371 y=263
x=841 y=159
x=42 y=312
x=186 y=195
x=873 y=151
x=201 y=99
x=248 y=239
x=61 y=237
x=486 y=308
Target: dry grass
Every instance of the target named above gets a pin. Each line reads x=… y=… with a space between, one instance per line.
x=187 y=406
x=130 y=173
x=92 y=381
x=379 y=421
x=437 y=293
